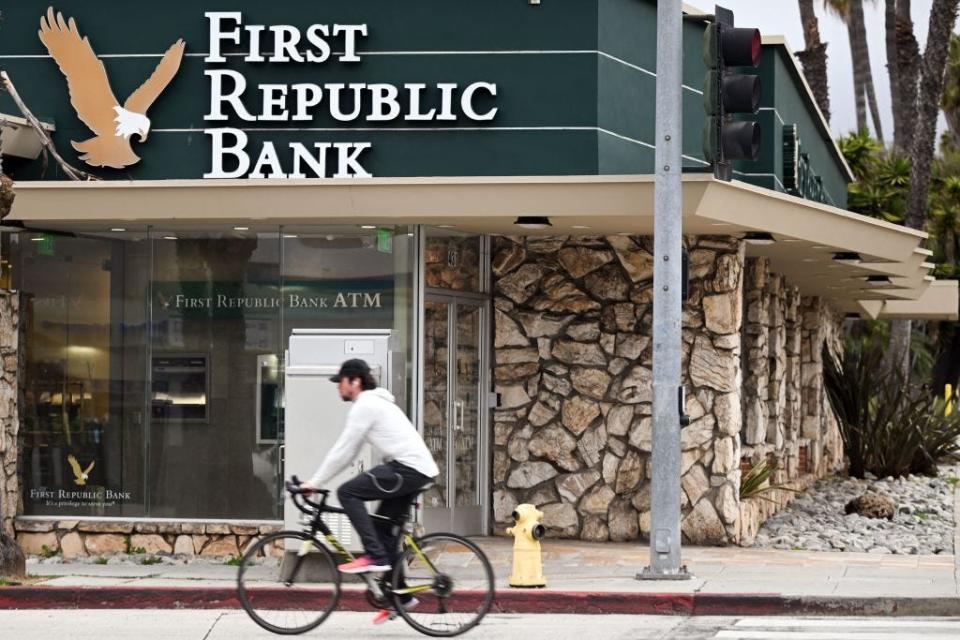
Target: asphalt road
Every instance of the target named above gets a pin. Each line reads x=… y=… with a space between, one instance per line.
x=234 y=625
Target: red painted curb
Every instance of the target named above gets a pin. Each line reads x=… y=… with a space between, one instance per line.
x=541 y=601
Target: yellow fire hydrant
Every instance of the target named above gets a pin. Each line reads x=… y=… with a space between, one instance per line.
x=527 y=562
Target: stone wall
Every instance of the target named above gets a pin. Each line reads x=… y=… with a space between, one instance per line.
x=573 y=320
x=82 y=538
x=9 y=415
x=787 y=418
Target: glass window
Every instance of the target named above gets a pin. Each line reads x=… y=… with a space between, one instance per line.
x=153 y=377
x=353 y=278
x=452 y=260
x=215 y=323
x=83 y=313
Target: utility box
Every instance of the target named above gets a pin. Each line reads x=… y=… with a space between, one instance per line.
x=315 y=414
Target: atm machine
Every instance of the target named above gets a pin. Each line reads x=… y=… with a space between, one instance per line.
x=315 y=414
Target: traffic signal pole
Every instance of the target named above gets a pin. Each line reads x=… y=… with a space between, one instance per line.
x=668 y=247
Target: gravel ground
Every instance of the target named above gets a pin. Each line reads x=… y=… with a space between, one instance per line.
x=816 y=521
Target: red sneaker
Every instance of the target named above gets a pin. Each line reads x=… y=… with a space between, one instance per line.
x=385 y=615
x=364 y=564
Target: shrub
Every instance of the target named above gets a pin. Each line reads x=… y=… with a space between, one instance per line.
x=887 y=428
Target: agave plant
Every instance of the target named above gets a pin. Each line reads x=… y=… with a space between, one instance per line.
x=755 y=483
x=887 y=427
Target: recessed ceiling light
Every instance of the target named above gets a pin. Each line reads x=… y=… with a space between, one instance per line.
x=36 y=239
x=170 y=238
x=533 y=222
x=290 y=235
x=819 y=247
x=759 y=237
x=445 y=226
x=368 y=226
x=117 y=229
x=847 y=257
x=789 y=240
x=579 y=226
x=241 y=228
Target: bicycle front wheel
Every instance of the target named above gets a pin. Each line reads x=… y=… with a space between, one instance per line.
x=452 y=581
x=288 y=583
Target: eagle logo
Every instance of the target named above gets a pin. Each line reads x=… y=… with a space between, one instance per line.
x=80 y=476
x=94 y=100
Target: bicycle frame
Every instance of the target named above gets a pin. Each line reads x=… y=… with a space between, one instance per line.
x=376 y=586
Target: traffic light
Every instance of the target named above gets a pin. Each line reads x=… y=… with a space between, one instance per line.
x=727 y=92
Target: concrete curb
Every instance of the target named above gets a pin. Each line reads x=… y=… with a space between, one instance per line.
x=956 y=530
x=541 y=601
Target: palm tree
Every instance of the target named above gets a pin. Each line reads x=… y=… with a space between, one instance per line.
x=814 y=57
x=943 y=15
x=851 y=12
x=903 y=65
x=883 y=178
x=945 y=214
x=951 y=90
x=925 y=108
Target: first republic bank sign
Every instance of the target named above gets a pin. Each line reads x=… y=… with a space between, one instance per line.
x=299 y=103
x=233 y=98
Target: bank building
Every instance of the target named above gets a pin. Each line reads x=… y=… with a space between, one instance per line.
x=460 y=193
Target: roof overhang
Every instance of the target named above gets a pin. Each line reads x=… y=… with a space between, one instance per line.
x=19 y=139
x=937 y=302
x=807 y=234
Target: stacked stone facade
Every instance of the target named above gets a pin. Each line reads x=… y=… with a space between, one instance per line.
x=73 y=538
x=787 y=418
x=573 y=366
x=573 y=319
x=9 y=415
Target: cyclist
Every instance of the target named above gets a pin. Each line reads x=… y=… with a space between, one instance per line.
x=408 y=467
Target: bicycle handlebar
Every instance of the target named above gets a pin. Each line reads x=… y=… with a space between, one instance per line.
x=300 y=499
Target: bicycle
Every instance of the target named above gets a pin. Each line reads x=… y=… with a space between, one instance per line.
x=290 y=576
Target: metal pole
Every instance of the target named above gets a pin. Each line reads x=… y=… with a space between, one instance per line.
x=668 y=249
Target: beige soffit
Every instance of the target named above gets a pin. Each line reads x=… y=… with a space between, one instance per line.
x=808 y=234
x=938 y=302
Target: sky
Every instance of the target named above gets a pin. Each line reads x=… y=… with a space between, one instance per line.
x=782 y=17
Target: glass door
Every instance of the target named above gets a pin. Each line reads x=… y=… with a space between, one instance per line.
x=454 y=407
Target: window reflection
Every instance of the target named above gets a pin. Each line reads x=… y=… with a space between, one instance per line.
x=153 y=375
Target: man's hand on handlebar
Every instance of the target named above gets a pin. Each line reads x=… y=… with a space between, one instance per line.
x=307 y=488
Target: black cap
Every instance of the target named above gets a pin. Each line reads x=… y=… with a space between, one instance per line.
x=355 y=368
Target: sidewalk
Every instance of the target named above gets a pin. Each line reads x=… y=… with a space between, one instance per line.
x=581 y=578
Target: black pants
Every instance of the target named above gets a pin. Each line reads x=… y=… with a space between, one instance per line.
x=396 y=486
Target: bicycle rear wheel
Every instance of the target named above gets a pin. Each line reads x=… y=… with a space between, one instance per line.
x=451 y=578
x=288 y=583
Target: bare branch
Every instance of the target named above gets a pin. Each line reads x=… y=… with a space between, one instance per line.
x=72 y=172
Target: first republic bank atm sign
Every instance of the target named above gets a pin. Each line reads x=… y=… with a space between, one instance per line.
x=357 y=104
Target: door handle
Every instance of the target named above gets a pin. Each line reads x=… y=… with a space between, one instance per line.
x=458 y=418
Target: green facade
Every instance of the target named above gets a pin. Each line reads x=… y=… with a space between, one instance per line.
x=575 y=86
